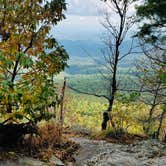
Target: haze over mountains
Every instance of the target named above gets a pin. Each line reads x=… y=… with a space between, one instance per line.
x=82 y=48
x=85 y=56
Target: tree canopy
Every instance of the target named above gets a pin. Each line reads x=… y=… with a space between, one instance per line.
x=154 y=16
x=29 y=57
x=153 y=39
x=153 y=30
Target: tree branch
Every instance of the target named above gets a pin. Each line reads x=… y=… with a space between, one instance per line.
x=87 y=93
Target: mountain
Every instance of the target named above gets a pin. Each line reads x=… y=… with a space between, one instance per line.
x=86 y=56
x=82 y=48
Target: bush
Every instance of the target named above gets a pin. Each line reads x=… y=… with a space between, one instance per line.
x=49 y=134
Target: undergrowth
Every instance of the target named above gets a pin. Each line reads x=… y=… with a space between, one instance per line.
x=47 y=143
x=117 y=136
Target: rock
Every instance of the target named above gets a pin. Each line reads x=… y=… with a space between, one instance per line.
x=114 y=159
x=54 y=161
x=122 y=161
x=77 y=129
x=159 y=161
x=16 y=132
x=69 y=163
x=9 y=163
x=27 y=161
x=101 y=153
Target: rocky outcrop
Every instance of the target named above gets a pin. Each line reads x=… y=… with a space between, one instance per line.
x=28 y=161
x=54 y=161
x=101 y=153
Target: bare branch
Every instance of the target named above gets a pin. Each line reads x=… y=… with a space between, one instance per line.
x=87 y=93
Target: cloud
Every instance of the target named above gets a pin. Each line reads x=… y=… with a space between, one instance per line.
x=83 y=20
x=76 y=27
x=84 y=7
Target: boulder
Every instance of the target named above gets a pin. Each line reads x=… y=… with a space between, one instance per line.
x=11 y=134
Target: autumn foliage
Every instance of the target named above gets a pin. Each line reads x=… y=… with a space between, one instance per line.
x=29 y=58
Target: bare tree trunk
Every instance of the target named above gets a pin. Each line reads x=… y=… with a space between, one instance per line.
x=62 y=102
x=119 y=37
x=150 y=119
x=116 y=32
x=153 y=106
x=161 y=122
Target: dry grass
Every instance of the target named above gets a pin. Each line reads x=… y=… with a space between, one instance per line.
x=118 y=136
x=49 y=134
x=48 y=142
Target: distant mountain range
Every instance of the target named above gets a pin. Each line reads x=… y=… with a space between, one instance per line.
x=82 y=48
x=83 y=52
x=86 y=48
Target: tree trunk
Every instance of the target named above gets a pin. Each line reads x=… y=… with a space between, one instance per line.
x=105 y=120
x=150 y=119
x=107 y=116
x=161 y=122
x=62 y=102
x=113 y=88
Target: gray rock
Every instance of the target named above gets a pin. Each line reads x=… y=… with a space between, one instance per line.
x=9 y=163
x=158 y=161
x=122 y=161
x=27 y=161
x=101 y=153
x=55 y=161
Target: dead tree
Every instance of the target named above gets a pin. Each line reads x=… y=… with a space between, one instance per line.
x=118 y=22
x=62 y=102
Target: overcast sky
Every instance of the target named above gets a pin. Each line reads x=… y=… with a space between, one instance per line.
x=82 y=21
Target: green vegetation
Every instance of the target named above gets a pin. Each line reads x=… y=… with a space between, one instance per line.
x=86 y=111
x=26 y=65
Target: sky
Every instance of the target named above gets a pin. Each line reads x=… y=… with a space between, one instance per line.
x=83 y=21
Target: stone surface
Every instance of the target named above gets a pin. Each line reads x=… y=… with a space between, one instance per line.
x=101 y=153
x=8 y=163
x=27 y=161
x=54 y=161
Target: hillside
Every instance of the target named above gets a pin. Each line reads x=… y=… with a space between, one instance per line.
x=86 y=57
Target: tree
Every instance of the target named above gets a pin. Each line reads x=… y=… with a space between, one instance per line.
x=29 y=58
x=152 y=36
x=153 y=15
x=153 y=31
x=152 y=87
x=117 y=32
x=118 y=22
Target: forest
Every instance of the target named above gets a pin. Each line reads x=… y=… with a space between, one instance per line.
x=61 y=104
